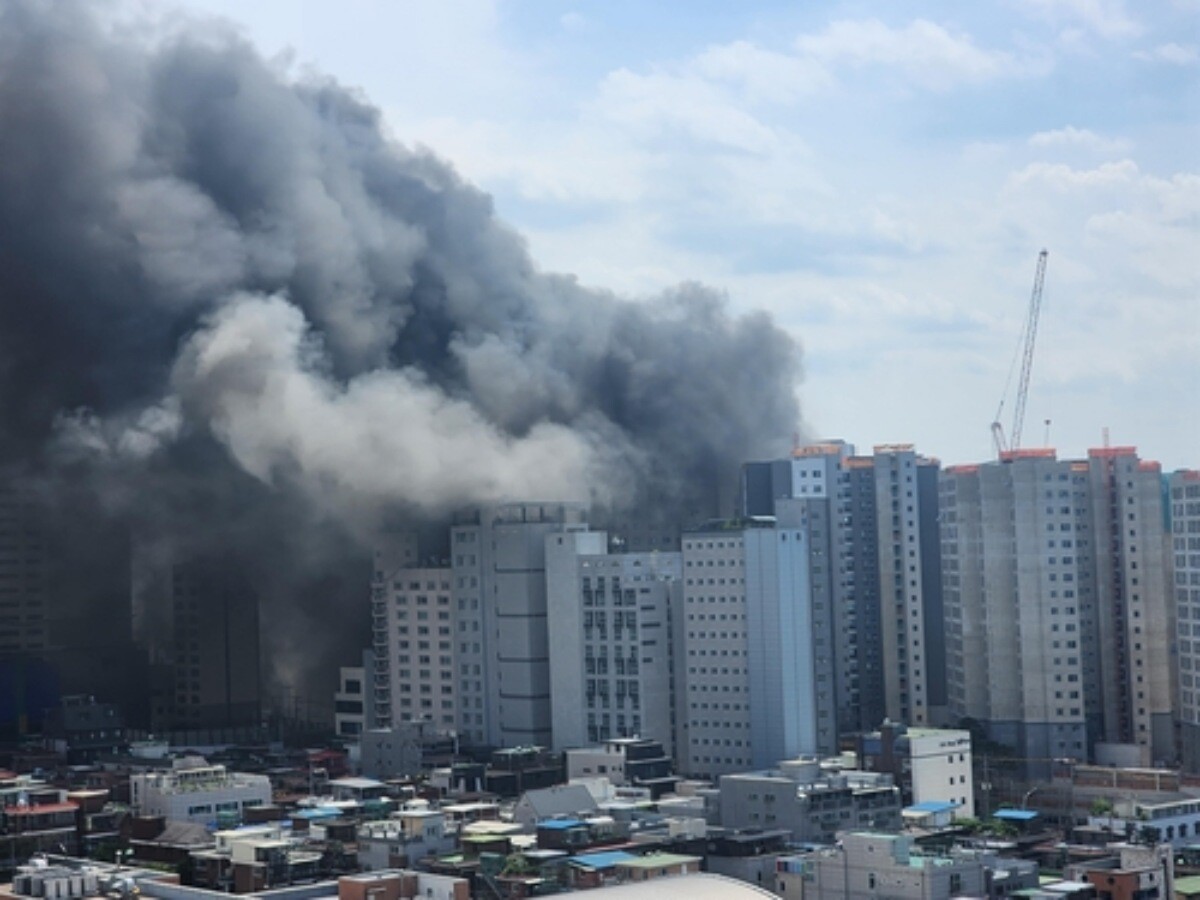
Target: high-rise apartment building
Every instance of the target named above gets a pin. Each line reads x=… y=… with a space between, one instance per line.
x=415 y=660
x=1131 y=567
x=875 y=577
x=611 y=653
x=910 y=594
x=498 y=558
x=1185 y=546
x=755 y=682
x=1056 y=604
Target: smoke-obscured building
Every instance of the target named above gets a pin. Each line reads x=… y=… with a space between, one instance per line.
x=216 y=659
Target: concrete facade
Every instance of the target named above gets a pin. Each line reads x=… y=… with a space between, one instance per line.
x=611 y=657
x=417 y=616
x=194 y=791
x=1185 y=546
x=498 y=558
x=871 y=526
x=749 y=665
x=810 y=800
x=1136 y=614
x=928 y=764
x=1042 y=559
x=869 y=865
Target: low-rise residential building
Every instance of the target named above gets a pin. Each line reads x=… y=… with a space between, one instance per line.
x=403 y=839
x=811 y=800
x=929 y=765
x=1175 y=821
x=547 y=803
x=632 y=761
x=871 y=865
x=1136 y=872
x=194 y=791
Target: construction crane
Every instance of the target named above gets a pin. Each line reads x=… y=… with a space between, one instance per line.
x=1025 y=347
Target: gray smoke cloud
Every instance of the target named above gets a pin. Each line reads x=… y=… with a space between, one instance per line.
x=237 y=313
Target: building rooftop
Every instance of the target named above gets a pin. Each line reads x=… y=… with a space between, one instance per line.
x=602 y=860
x=1189 y=885
x=1015 y=815
x=655 y=860
x=561 y=824
x=932 y=806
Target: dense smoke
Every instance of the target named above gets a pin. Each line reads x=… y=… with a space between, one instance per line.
x=236 y=314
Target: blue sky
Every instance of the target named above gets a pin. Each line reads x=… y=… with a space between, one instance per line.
x=879 y=176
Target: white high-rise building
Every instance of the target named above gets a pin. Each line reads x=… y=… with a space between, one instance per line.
x=1185 y=544
x=419 y=661
x=611 y=656
x=498 y=557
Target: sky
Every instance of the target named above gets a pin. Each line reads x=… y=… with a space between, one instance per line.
x=879 y=177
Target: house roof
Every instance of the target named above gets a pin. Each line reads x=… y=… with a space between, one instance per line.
x=561 y=824
x=931 y=806
x=1016 y=815
x=563 y=800
x=180 y=833
x=1189 y=885
x=654 y=860
x=602 y=860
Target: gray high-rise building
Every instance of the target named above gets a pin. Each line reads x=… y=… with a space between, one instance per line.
x=498 y=558
x=754 y=672
x=1185 y=544
x=1057 y=610
x=611 y=658
x=872 y=524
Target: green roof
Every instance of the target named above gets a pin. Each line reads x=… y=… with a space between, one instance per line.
x=654 y=860
x=1188 y=885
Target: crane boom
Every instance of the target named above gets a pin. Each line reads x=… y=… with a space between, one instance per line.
x=1031 y=327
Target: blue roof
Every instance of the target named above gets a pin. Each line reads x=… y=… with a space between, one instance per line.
x=561 y=824
x=933 y=806
x=602 y=860
x=318 y=812
x=1016 y=815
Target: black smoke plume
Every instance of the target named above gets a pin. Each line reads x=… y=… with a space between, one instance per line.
x=236 y=315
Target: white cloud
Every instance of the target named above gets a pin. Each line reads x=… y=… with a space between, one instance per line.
x=1078 y=138
x=647 y=104
x=763 y=75
x=1107 y=18
x=927 y=53
x=1062 y=177
x=1172 y=53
